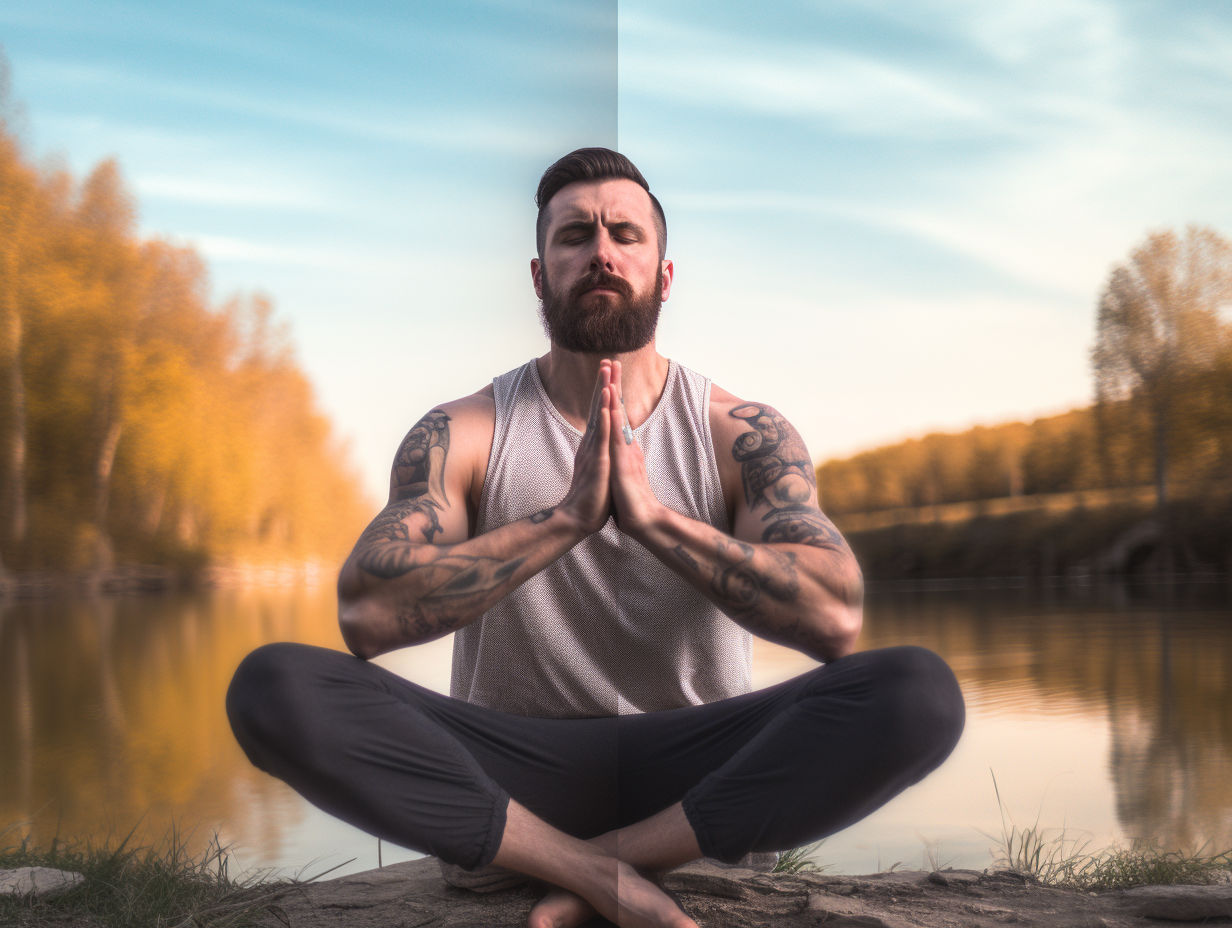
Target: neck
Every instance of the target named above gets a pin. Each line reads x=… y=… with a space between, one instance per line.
x=569 y=378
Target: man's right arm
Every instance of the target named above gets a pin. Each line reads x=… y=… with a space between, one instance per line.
x=415 y=575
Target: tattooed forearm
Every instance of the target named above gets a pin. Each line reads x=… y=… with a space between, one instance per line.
x=689 y=559
x=740 y=577
x=455 y=587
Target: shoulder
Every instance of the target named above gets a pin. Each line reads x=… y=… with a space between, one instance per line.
x=458 y=419
x=476 y=410
x=736 y=422
x=456 y=434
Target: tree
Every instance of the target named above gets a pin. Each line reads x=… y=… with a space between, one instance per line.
x=18 y=196
x=1163 y=325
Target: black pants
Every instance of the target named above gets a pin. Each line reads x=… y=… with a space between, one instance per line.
x=761 y=772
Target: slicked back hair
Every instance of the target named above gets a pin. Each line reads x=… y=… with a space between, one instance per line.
x=587 y=164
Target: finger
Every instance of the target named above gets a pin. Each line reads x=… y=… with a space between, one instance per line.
x=615 y=417
x=626 y=430
x=604 y=429
x=602 y=379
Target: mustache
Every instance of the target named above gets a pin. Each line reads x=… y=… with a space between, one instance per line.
x=601 y=278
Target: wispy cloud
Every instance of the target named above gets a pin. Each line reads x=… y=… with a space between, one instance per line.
x=859 y=93
x=228 y=248
x=255 y=194
x=462 y=132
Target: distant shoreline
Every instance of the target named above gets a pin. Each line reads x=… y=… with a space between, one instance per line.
x=136 y=579
x=1071 y=539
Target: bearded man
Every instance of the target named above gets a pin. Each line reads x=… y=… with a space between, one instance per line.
x=603 y=529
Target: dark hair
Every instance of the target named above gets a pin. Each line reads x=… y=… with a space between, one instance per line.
x=591 y=164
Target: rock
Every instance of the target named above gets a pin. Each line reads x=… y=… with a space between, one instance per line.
x=850 y=912
x=413 y=895
x=37 y=881
x=704 y=877
x=1183 y=903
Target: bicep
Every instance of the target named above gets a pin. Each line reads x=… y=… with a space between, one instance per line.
x=777 y=487
x=427 y=492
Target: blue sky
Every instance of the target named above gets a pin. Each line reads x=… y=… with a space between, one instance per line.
x=885 y=217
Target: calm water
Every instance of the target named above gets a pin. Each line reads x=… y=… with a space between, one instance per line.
x=1110 y=718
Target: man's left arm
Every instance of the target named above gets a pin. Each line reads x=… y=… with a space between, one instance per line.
x=785 y=573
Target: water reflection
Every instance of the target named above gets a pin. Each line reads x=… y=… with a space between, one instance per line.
x=1160 y=675
x=111 y=709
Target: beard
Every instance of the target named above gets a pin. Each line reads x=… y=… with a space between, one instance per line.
x=600 y=323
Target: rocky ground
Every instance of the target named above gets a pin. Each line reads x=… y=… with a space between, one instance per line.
x=413 y=895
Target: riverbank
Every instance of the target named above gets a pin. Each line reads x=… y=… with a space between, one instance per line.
x=131 y=579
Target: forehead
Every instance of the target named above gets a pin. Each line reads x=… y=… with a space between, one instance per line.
x=610 y=199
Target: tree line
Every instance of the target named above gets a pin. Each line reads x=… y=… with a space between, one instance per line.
x=139 y=422
x=1162 y=416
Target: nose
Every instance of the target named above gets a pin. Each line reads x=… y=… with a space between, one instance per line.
x=604 y=255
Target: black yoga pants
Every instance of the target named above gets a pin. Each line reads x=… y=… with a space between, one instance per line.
x=765 y=771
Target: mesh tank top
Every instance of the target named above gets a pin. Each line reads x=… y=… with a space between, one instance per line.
x=607 y=629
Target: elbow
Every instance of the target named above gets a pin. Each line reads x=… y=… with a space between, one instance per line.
x=844 y=615
x=356 y=621
x=355 y=634
x=846 y=621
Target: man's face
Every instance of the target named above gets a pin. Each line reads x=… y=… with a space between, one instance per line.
x=601 y=282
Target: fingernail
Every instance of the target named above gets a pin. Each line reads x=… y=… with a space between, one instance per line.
x=628 y=434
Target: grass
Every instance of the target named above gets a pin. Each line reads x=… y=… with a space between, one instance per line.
x=1055 y=858
x=128 y=885
x=798 y=859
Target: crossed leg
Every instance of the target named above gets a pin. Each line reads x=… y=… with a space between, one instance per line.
x=585 y=804
x=601 y=875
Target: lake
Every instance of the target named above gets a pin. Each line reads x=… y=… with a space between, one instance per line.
x=1107 y=713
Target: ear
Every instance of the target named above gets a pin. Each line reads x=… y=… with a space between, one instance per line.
x=667 y=272
x=536 y=274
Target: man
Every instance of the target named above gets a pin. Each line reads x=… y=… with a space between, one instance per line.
x=603 y=529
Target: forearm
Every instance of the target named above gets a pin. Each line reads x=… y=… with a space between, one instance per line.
x=804 y=597
x=394 y=593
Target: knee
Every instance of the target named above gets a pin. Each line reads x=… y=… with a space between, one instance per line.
x=920 y=694
x=262 y=701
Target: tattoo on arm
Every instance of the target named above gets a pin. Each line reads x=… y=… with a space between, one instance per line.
x=420 y=465
x=542 y=515
x=456 y=586
x=776 y=471
x=741 y=583
x=737 y=582
x=385 y=548
x=689 y=559
x=419 y=470
x=802 y=525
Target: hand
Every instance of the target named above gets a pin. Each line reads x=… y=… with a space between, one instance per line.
x=589 y=499
x=635 y=503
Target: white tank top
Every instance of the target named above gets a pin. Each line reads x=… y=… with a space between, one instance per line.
x=606 y=629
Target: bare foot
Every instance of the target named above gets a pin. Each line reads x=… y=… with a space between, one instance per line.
x=559 y=909
x=641 y=904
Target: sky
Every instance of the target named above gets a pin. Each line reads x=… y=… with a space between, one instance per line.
x=885 y=218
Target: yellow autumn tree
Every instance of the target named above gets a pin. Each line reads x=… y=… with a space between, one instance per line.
x=140 y=423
